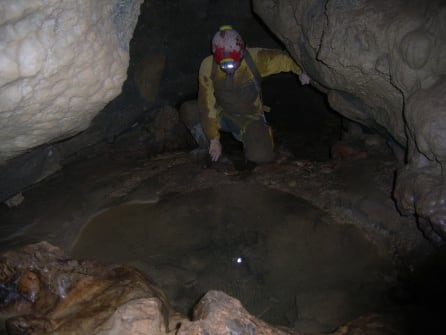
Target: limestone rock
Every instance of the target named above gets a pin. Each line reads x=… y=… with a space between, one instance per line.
x=217 y=313
x=60 y=63
x=381 y=64
x=166 y=132
x=44 y=292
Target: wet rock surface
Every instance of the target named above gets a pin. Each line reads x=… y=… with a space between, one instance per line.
x=45 y=292
x=218 y=313
x=287 y=262
x=350 y=191
x=355 y=192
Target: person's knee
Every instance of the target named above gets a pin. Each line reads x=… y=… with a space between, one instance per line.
x=189 y=113
x=264 y=156
x=258 y=143
x=259 y=152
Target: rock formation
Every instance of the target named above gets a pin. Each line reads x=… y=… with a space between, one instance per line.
x=381 y=64
x=218 y=314
x=42 y=291
x=60 y=63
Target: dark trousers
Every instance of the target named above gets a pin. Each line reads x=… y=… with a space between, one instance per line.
x=257 y=139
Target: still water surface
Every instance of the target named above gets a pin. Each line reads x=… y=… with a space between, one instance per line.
x=287 y=261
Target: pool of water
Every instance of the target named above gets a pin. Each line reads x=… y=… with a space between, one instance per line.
x=288 y=262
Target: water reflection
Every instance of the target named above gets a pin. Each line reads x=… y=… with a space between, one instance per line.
x=287 y=261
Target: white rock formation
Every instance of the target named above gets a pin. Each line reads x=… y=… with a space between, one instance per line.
x=61 y=61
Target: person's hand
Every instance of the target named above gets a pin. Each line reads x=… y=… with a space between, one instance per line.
x=215 y=149
x=304 y=78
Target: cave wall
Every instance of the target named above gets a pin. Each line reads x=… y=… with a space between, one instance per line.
x=60 y=63
x=382 y=63
x=369 y=56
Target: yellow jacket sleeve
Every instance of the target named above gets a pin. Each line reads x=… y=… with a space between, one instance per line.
x=269 y=62
x=273 y=61
x=206 y=100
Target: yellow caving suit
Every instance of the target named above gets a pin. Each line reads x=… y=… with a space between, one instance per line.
x=233 y=102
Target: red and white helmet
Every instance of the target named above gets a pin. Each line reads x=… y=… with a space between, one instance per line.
x=227 y=44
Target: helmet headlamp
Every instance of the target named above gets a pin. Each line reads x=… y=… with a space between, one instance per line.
x=228 y=65
x=228 y=48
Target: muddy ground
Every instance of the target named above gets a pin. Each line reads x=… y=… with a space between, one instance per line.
x=351 y=192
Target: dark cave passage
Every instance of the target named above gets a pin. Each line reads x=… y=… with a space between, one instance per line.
x=300 y=117
x=298 y=267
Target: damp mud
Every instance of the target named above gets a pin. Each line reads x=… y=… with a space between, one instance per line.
x=287 y=261
x=310 y=241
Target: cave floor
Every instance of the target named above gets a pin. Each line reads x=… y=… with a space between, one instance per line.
x=306 y=241
x=340 y=240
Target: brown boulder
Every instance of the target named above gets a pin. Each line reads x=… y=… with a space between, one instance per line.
x=45 y=292
x=219 y=314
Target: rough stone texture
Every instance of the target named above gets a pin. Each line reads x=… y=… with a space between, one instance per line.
x=381 y=64
x=165 y=132
x=217 y=313
x=161 y=131
x=27 y=169
x=60 y=63
x=44 y=292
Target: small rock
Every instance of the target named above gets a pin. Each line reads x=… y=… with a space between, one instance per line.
x=15 y=201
